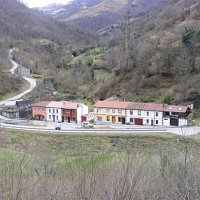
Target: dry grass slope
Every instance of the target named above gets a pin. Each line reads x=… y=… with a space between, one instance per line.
x=60 y=166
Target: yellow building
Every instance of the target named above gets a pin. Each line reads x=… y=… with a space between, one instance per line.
x=110 y=112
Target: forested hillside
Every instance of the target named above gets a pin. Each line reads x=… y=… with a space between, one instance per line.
x=40 y=42
x=157 y=56
x=154 y=57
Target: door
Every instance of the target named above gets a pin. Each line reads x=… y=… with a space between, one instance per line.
x=113 y=120
x=138 y=121
x=63 y=119
x=53 y=118
x=173 y=122
x=68 y=120
x=123 y=120
x=152 y=122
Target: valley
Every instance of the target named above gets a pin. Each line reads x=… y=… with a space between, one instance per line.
x=111 y=106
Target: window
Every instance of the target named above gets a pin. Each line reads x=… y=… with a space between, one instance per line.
x=49 y=110
x=119 y=111
x=119 y=119
x=147 y=121
x=99 y=119
x=147 y=113
x=113 y=111
x=43 y=110
x=56 y=117
x=53 y=110
x=35 y=108
x=108 y=118
x=131 y=119
x=98 y=110
x=139 y=112
x=67 y=112
x=156 y=121
x=108 y=110
x=57 y=110
x=49 y=116
x=131 y=112
x=156 y=114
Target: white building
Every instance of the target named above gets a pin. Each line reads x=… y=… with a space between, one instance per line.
x=175 y=115
x=135 y=113
x=60 y=111
x=54 y=112
x=145 y=114
x=82 y=109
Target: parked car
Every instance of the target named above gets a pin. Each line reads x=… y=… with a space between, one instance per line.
x=87 y=125
x=58 y=126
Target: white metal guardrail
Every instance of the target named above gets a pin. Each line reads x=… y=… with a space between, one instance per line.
x=42 y=129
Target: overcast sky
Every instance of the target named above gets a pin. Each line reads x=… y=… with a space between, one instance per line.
x=40 y=3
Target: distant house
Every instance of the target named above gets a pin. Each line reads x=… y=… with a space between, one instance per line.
x=39 y=110
x=175 y=115
x=135 y=113
x=60 y=111
x=145 y=114
x=23 y=71
x=110 y=112
x=53 y=111
x=88 y=117
x=72 y=112
x=11 y=113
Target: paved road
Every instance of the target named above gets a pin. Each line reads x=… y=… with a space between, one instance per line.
x=31 y=81
x=15 y=65
x=32 y=85
x=79 y=130
x=74 y=128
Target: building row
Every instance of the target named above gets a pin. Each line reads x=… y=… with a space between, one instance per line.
x=152 y=114
x=113 y=112
x=59 y=111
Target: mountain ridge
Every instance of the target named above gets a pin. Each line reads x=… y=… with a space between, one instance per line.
x=99 y=14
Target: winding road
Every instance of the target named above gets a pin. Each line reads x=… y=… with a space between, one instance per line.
x=31 y=81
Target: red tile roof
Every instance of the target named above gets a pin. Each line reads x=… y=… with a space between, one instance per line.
x=175 y=108
x=135 y=106
x=146 y=106
x=57 y=104
x=111 y=104
x=142 y=106
x=69 y=105
x=41 y=104
x=54 y=104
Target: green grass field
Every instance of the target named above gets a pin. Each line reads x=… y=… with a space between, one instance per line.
x=57 y=146
x=34 y=164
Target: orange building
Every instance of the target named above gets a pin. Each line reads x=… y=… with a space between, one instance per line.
x=39 y=110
